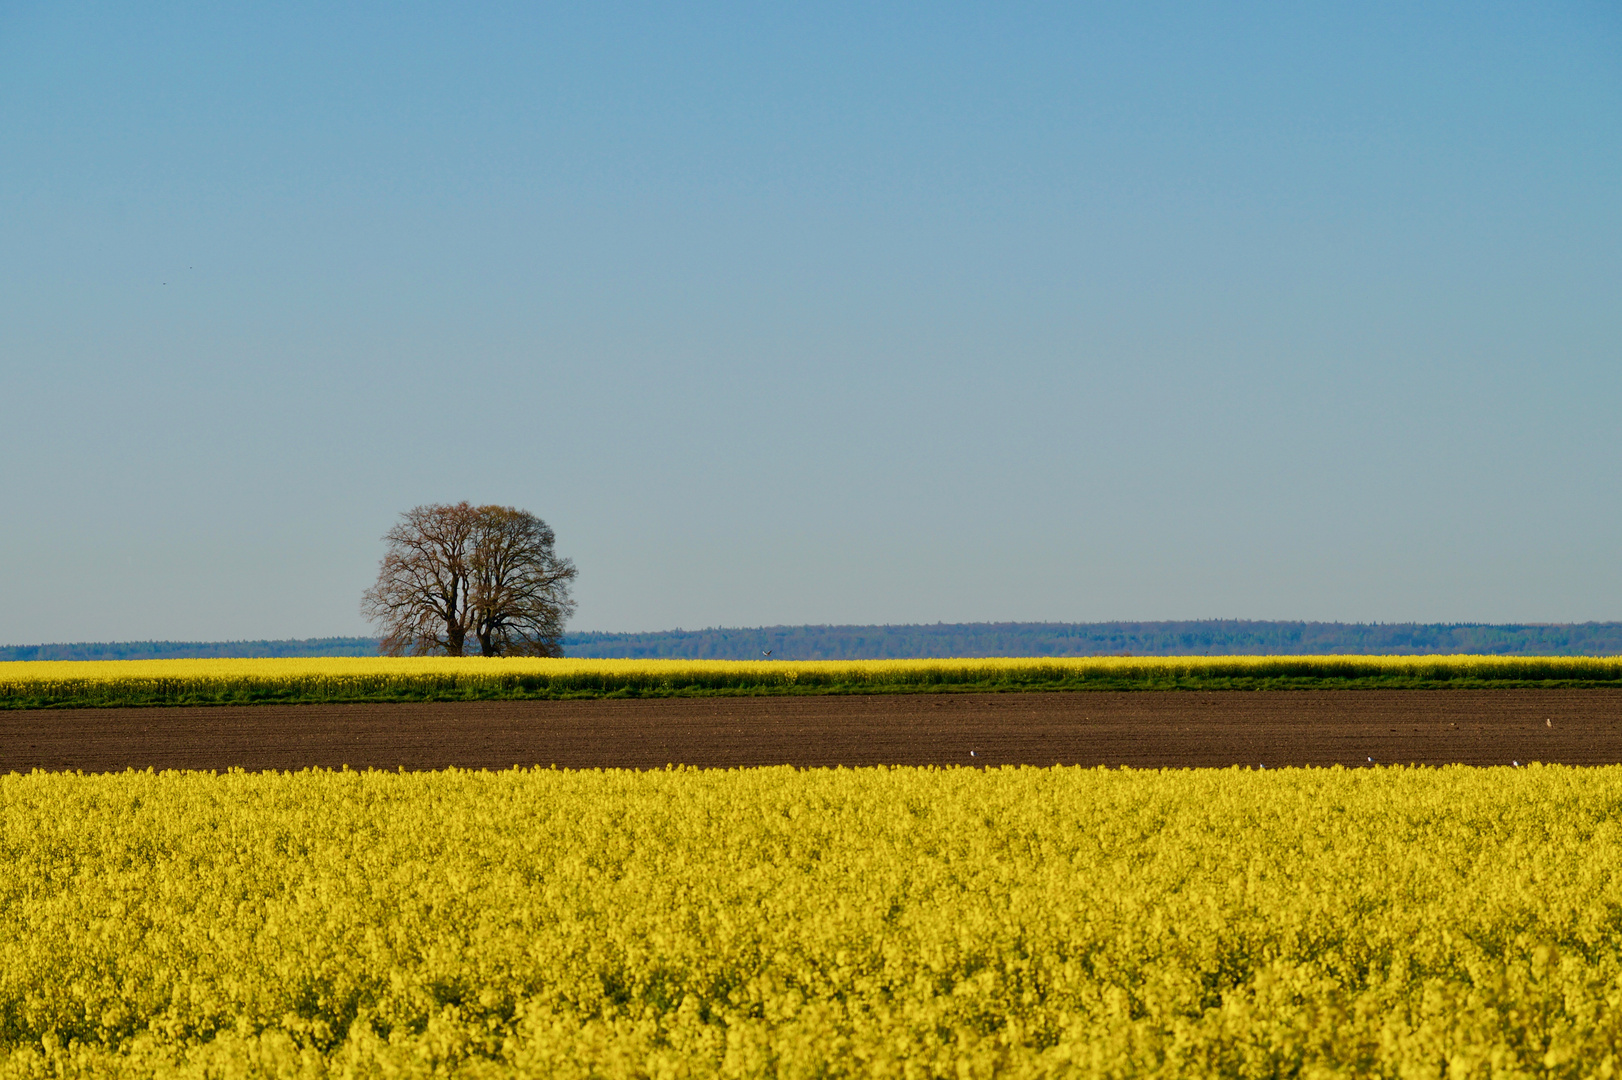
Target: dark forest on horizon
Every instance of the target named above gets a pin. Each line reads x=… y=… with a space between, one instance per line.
x=1214 y=637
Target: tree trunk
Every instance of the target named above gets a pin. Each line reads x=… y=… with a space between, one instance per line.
x=455 y=632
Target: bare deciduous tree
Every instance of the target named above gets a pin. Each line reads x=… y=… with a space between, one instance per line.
x=486 y=572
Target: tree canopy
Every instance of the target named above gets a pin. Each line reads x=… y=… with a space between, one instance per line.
x=456 y=575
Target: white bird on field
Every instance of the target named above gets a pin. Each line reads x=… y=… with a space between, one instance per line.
x=768 y=652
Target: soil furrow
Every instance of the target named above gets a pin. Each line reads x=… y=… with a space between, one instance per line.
x=1142 y=730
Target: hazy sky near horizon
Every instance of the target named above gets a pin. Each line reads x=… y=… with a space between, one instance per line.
x=814 y=313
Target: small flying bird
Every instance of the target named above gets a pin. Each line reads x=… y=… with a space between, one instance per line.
x=1516 y=764
x=971 y=753
x=767 y=652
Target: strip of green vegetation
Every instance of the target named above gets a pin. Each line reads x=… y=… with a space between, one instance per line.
x=527 y=688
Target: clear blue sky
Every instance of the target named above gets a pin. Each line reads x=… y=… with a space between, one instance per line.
x=818 y=313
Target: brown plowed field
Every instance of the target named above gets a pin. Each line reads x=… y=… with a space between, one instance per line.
x=1144 y=730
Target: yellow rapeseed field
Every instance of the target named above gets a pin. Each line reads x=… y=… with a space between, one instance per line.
x=773 y=922
x=360 y=678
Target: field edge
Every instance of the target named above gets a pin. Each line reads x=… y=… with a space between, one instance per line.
x=271 y=694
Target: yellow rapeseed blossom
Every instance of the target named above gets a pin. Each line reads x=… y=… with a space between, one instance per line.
x=381 y=678
x=772 y=922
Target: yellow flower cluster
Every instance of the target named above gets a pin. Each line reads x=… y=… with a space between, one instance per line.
x=382 y=678
x=878 y=922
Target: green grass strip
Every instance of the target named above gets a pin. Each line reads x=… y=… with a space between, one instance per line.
x=575 y=686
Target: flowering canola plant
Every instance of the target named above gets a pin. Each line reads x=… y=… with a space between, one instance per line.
x=112 y=682
x=781 y=923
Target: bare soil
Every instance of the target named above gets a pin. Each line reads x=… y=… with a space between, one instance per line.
x=1140 y=729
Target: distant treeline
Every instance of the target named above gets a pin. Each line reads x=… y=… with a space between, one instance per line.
x=1210 y=637
x=1214 y=637
x=189 y=650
